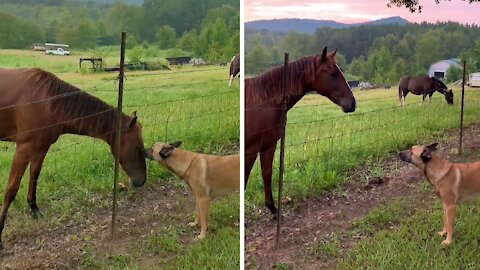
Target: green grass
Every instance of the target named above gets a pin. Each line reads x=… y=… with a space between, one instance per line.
x=193 y=105
x=413 y=242
x=322 y=143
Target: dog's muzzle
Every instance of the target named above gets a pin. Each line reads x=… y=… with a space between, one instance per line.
x=147 y=152
x=405 y=156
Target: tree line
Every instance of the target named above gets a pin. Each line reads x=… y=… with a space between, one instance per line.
x=203 y=28
x=376 y=53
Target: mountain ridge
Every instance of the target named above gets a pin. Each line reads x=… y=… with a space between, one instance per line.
x=310 y=25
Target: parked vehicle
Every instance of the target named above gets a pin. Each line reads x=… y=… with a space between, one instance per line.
x=57 y=49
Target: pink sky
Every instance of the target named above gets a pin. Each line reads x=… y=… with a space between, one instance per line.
x=360 y=10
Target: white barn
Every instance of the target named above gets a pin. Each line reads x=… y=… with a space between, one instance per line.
x=439 y=69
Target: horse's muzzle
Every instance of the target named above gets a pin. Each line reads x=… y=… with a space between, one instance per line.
x=350 y=107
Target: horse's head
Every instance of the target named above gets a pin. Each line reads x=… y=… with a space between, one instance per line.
x=131 y=151
x=449 y=96
x=439 y=86
x=330 y=82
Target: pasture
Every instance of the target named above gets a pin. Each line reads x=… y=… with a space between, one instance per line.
x=329 y=157
x=190 y=104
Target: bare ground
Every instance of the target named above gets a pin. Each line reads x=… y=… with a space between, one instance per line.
x=68 y=245
x=318 y=219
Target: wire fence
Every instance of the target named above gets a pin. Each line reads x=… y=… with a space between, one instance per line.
x=322 y=143
x=193 y=106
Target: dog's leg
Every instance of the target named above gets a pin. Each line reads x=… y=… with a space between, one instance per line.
x=204 y=203
x=197 y=215
x=450 y=211
x=444 y=228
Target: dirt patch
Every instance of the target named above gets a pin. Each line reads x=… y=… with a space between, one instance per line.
x=75 y=243
x=314 y=219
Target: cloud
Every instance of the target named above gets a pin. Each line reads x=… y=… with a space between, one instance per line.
x=361 y=10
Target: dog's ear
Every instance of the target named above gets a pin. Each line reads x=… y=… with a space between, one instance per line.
x=432 y=147
x=426 y=155
x=166 y=151
x=176 y=144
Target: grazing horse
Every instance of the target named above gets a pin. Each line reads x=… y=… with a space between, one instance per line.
x=36 y=108
x=263 y=107
x=234 y=68
x=423 y=85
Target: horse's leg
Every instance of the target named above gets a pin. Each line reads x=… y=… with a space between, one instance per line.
x=402 y=100
x=430 y=97
x=35 y=168
x=249 y=161
x=423 y=98
x=230 y=81
x=19 y=165
x=266 y=160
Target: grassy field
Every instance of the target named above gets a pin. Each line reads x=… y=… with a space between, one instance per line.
x=322 y=143
x=190 y=104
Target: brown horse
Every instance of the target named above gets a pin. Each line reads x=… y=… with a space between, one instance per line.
x=263 y=107
x=423 y=85
x=234 y=68
x=36 y=108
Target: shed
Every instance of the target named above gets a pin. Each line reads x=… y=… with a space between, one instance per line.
x=439 y=69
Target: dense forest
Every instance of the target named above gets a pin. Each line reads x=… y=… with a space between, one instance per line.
x=204 y=28
x=378 y=53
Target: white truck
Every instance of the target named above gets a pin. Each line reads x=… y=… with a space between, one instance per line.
x=474 y=80
x=57 y=49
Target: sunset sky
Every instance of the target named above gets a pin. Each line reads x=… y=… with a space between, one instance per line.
x=350 y=11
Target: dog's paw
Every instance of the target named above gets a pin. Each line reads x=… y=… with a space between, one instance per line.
x=200 y=237
x=446 y=243
x=442 y=233
x=192 y=224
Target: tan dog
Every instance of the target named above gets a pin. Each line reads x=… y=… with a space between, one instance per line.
x=208 y=176
x=453 y=182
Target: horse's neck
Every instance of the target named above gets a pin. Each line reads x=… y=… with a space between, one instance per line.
x=293 y=99
x=94 y=127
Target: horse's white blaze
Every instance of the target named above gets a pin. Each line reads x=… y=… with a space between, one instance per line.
x=231 y=79
x=232 y=58
x=345 y=80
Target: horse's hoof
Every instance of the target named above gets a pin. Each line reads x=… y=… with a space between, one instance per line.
x=36 y=214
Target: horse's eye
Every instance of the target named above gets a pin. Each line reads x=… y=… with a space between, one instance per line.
x=334 y=74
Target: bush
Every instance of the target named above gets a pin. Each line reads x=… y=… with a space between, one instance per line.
x=453 y=74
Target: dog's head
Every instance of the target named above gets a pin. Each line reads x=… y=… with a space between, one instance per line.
x=417 y=154
x=161 y=151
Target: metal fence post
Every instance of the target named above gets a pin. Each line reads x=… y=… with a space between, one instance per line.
x=282 y=150
x=461 y=111
x=118 y=126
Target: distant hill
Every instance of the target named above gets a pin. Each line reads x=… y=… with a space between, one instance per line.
x=309 y=26
x=130 y=2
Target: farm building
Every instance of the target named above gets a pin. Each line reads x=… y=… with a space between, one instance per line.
x=439 y=69
x=178 y=60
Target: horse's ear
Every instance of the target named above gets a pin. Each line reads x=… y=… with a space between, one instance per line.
x=334 y=52
x=324 y=54
x=133 y=121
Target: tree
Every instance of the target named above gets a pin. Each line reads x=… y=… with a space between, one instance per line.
x=428 y=50
x=257 y=59
x=453 y=74
x=130 y=42
x=188 y=41
x=414 y=5
x=166 y=37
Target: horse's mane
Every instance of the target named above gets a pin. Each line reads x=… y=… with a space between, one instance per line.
x=67 y=102
x=268 y=86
